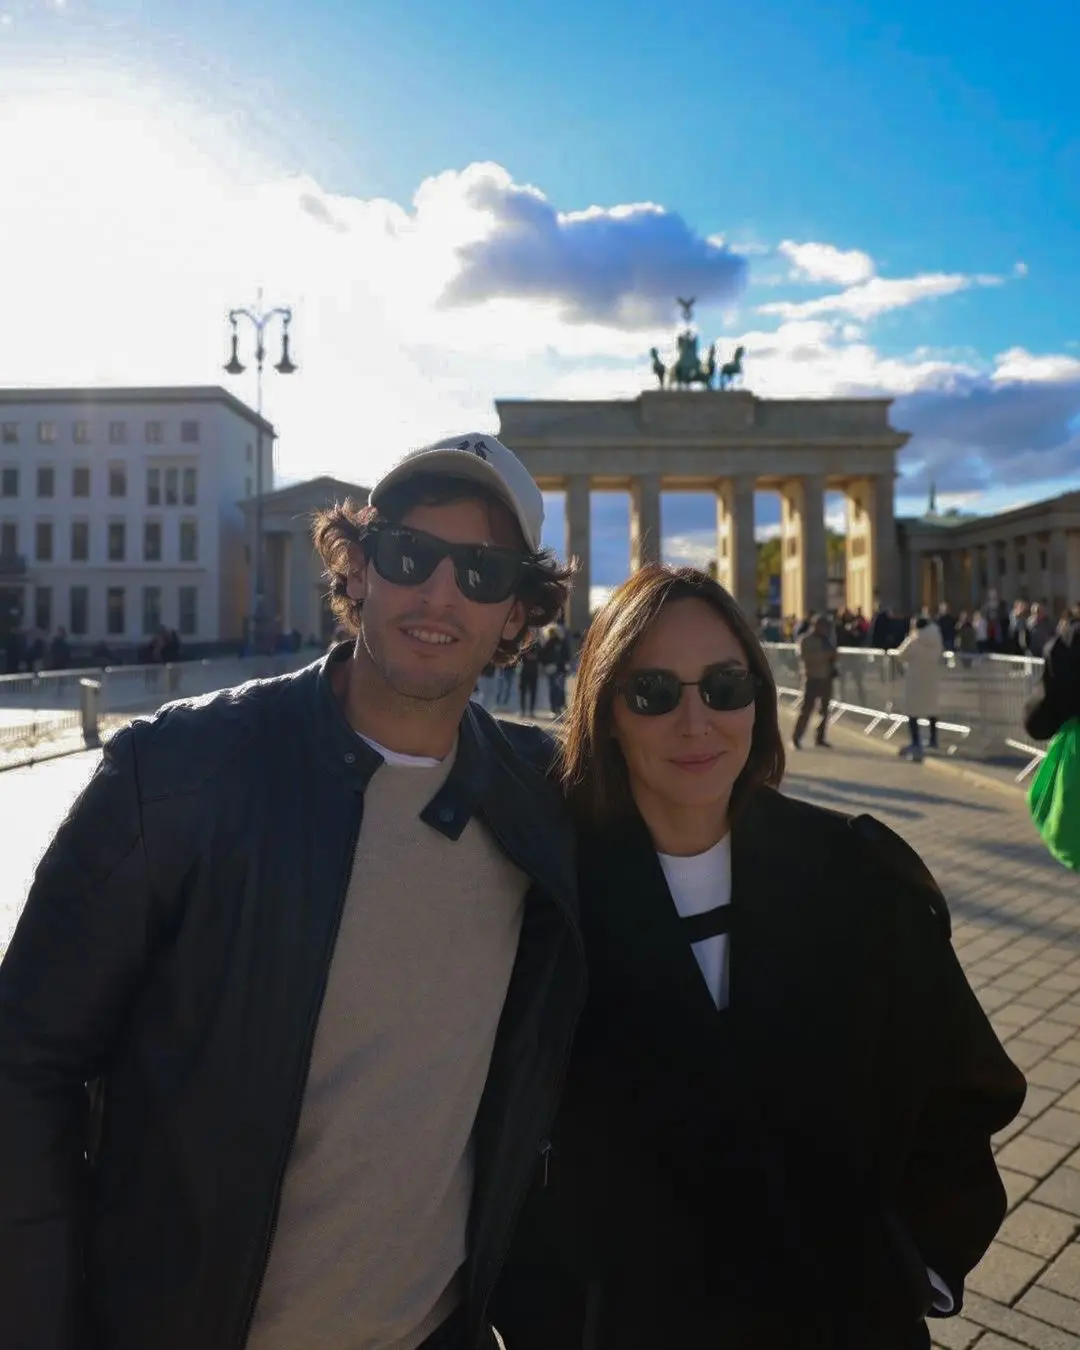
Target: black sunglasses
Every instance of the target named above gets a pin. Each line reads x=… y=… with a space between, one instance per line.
x=652 y=693
x=484 y=573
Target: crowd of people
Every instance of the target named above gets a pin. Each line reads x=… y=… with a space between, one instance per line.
x=1022 y=629
x=343 y=1013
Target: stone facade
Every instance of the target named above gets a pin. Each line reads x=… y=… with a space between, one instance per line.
x=295 y=588
x=1029 y=553
x=731 y=444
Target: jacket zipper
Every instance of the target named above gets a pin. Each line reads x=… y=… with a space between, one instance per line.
x=313 y=1023
x=523 y=1193
x=545 y=1153
x=556 y=1086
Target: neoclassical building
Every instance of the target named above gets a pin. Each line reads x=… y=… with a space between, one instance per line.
x=1029 y=553
x=731 y=444
x=295 y=588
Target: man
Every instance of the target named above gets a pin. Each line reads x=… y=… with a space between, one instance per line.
x=312 y=942
x=1040 y=629
x=817 y=653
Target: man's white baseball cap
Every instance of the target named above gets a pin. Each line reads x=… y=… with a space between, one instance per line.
x=484 y=460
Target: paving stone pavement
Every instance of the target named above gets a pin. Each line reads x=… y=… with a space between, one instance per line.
x=1016 y=929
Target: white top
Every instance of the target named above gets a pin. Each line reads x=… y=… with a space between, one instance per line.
x=400 y=761
x=697 y=884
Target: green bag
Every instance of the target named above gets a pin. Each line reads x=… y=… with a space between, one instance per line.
x=1054 y=796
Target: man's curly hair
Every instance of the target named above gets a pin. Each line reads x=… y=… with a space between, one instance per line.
x=545 y=583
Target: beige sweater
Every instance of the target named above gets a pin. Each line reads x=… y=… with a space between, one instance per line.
x=370 y=1240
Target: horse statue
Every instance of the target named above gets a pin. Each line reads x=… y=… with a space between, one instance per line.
x=658 y=367
x=688 y=369
x=732 y=368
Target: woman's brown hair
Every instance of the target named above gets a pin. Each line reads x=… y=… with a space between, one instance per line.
x=545 y=583
x=592 y=767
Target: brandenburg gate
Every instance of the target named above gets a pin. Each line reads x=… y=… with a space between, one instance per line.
x=730 y=443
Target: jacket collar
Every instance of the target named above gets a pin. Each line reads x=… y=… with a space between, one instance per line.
x=781 y=1018
x=523 y=811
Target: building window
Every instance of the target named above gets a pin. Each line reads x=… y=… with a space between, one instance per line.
x=117 y=541
x=9 y=539
x=189 y=487
x=79 y=607
x=46 y=481
x=9 y=482
x=43 y=608
x=189 y=433
x=1021 y=564
x=114 y=611
x=153 y=487
x=80 y=432
x=1044 y=560
x=189 y=611
x=117 y=480
x=247 y=487
x=10 y=434
x=155 y=433
x=46 y=433
x=43 y=541
x=151 y=609
x=118 y=433
x=152 y=541
x=80 y=481
x=189 y=541
x=172 y=487
x=80 y=541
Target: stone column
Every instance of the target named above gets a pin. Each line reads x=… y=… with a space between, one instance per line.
x=1008 y=582
x=1057 y=588
x=1072 y=567
x=578 y=546
x=884 y=551
x=725 y=535
x=737 y=568
x=644 y=520
x=802 y=529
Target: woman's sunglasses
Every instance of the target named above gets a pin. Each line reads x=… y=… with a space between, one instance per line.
x=652 y=693
x=484 y=573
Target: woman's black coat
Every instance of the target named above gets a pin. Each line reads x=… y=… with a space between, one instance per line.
x=778 y=1176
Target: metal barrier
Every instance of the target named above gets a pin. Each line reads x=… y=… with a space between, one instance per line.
x=37 y=708
x=982 y=697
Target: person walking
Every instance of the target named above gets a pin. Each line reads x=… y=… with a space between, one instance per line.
x=555 y=660
x=311 y=946
x=529 y=676
x=778 y=1120
x=817 y=655
x=921 y=653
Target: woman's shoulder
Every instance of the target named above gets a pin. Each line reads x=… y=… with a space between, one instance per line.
x=861 y=844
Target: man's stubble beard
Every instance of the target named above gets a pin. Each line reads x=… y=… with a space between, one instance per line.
x=430 y=690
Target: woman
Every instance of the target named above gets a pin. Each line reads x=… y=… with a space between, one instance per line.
x=777 y=1119
x=921 y=653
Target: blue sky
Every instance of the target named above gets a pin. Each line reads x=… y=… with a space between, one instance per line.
x=901 y=194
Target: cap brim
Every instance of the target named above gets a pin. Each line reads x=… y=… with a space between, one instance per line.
x=456 y=464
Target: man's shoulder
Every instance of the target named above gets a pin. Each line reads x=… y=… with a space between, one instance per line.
x=191 y=740
x=538 y=748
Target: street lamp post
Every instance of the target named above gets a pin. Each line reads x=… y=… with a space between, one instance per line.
x=260 y=320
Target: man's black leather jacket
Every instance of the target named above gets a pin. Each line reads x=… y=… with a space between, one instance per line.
x=159 y=1001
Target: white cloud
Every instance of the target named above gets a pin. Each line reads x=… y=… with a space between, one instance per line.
x=827 y=263
x=877 y=296
x=620 y=266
